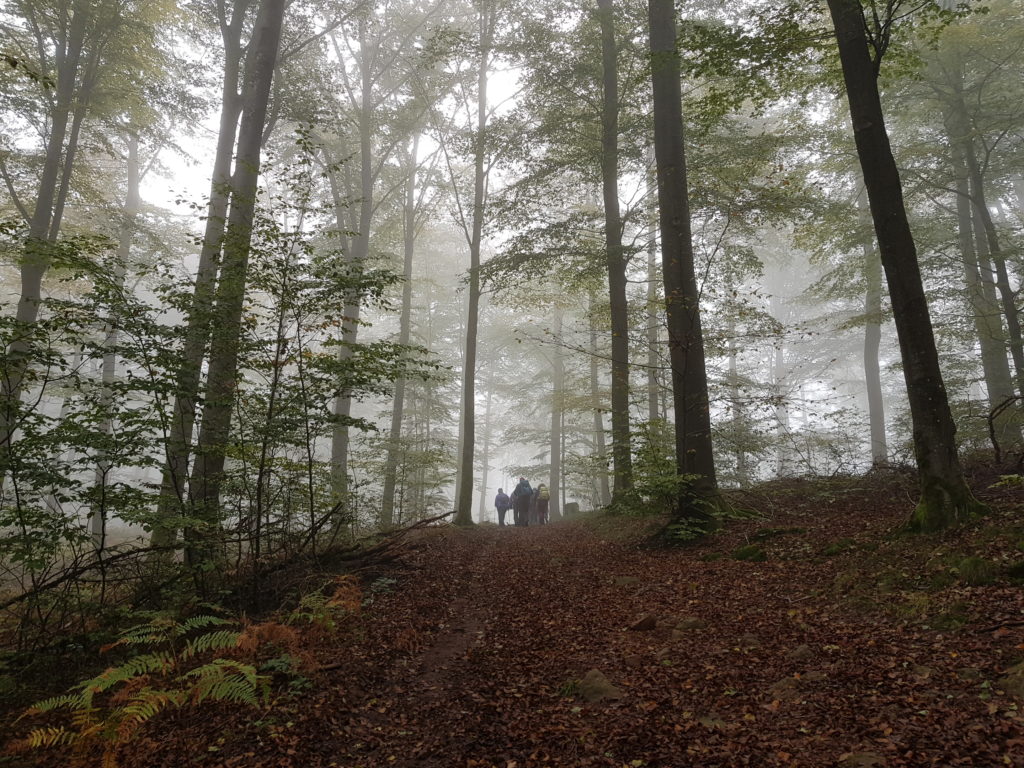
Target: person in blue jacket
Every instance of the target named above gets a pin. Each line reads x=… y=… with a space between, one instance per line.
x=502 y=503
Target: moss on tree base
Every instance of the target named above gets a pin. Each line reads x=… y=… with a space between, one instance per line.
x=944 y=504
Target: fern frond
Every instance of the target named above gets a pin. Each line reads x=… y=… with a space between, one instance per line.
x=54 y=702
x=212 y=641
x=228 y=680
x=147 y=704
x=49 y=737
x=199 y=622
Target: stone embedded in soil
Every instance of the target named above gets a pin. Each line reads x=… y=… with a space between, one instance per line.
x=645 y=624
x=969 y=673
x=748 y=641
x=595 y=687
x=1013 y=681
x=800 y=653
x=691 y=622
x=633 y=660
x=625 y=581
x=786 y=689
x=862 y=760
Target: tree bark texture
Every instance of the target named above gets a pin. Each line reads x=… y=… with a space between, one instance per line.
x=555 y=434
x=872 y=337
x=464 y=499
x=173 y=492
x=694 y=456
x=615 y=255
x=945 y=497
x=222 y=376
x=387 y=512
x=604 y=492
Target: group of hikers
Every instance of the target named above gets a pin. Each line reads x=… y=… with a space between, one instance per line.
x=529 y=506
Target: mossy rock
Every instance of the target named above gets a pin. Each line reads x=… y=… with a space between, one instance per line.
x=838 y=547
x=710 y=557
x=977 y=571
x=750 y=553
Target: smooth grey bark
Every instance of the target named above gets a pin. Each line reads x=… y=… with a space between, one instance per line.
x=485 y=448
x=959 y=125
x=736 y=405
x=222 y=376
x=622 y=461
x=555 y=434
x=985 y=310
x=75 y=65
x=129 y=224
x=945 y=497
x=404 y=334
x=360 y=252
x=653 y=322
x=600 y=450
x=464 y=483
x=174 y=481
x=872 y=337
x=694 y=455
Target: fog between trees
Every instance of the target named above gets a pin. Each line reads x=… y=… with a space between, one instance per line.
x=440 y=245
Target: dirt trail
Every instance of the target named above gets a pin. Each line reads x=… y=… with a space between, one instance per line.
x=474 y=659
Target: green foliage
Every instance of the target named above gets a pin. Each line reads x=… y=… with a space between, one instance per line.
x=130 y=700
x=838 y=547
x=750 y=553
x=977 y=571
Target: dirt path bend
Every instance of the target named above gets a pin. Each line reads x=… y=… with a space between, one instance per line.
x=475 y=657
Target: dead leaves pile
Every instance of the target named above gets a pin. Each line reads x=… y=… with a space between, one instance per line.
x=490 y=647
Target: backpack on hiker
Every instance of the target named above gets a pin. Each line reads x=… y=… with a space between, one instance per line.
x=542 y=493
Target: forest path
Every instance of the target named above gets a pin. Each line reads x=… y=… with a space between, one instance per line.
x=475 y=657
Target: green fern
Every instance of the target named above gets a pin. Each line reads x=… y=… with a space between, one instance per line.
x=173 y=644
x=211 y=641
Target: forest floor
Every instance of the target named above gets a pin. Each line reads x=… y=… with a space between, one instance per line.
x=578 y=644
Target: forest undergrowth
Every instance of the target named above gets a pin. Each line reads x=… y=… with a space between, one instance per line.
x=813 y=633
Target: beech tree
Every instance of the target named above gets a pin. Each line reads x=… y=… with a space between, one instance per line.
x=945 y=497
x=695 y=462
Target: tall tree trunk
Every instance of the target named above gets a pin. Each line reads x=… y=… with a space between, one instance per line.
x=615 y=255
x=959 y=125
x=653 y=319
x=485 y=449
x=129 y=216
x=360 y=252
x=735 y=403
x=404 y=334
x=222 y=376
x=555 y=435
x=872 y=337
x=464 y=482
x=985 y=310
x=694 y=456
x=604 y=489
x=173 y=489
x=945 y=497
x=44 y=224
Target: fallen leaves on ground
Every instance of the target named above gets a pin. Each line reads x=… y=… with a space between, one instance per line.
x=478 y=654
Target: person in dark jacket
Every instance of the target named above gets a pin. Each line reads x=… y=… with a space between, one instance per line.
x=502 y=503
x=540 y=502
x=521 y=497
